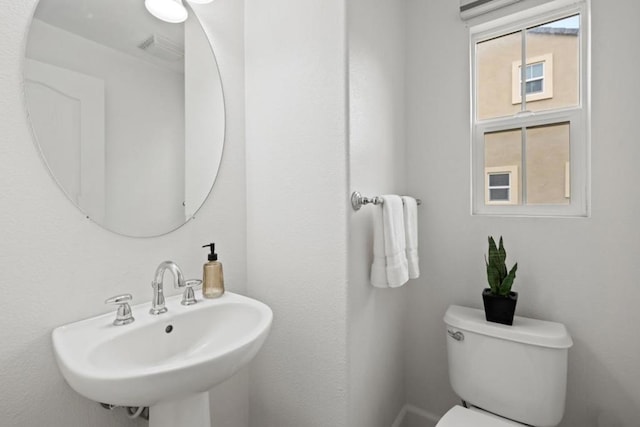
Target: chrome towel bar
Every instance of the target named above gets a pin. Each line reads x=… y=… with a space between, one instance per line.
x=358 y=200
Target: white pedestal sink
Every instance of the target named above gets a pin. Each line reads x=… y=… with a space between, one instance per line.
x=168 y=361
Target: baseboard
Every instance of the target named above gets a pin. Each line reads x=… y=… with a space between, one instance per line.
x=428 y=416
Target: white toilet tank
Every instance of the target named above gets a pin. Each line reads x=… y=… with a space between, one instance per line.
x=518 y=372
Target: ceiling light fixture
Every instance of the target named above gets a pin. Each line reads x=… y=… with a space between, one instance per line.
x=172 y=11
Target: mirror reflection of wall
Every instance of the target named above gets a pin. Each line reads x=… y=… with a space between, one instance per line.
x=127 y=111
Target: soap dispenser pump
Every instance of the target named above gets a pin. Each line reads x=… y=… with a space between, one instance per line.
x=212 y=275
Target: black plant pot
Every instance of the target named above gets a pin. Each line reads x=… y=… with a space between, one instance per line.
x=499 y=309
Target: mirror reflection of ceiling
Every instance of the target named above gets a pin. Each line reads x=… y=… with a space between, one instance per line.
x=123 y=25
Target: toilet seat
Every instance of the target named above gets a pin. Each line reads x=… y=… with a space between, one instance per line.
x=465 y=417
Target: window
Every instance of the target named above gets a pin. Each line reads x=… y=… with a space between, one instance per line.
x=535 y=78
x=529 y=123
x=538 y=79
x=501 y=185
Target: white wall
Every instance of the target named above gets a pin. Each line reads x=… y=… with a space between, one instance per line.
x=376 y=160
x=297 y=208
x=58 y=267
x=582 y=272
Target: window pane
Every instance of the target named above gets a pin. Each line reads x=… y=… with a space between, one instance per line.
x=503 y=155
x=558 y=43
x=499 y=194
x=498 y=179
x=548 y=160
x=535 y=70
x=534 y=86
x=495 y=60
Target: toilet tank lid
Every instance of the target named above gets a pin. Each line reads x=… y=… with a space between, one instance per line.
x=528 y=331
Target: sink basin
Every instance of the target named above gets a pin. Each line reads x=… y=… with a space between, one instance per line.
x=165 y=358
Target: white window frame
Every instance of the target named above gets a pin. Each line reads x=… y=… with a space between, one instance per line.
x=578 y=117
x=567 y=180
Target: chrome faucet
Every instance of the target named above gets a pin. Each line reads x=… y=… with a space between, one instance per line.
x=157 y=303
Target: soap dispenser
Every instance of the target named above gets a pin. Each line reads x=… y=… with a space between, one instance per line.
x=212 y=276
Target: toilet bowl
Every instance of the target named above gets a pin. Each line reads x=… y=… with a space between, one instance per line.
x=459 y=416
x=507 y=375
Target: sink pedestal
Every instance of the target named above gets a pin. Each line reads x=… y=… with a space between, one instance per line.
x=192 y=411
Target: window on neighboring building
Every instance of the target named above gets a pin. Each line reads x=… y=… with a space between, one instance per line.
x=502 y=185
x=535 y=78
x=538 y=79
x=529 y=100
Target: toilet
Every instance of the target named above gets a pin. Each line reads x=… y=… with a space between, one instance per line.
x=505 y=375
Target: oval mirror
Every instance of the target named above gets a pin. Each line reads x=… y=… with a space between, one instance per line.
x=126 y=110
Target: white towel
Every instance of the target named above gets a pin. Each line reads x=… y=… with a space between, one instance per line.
x=379 y=265
x=410 y=208
x=389 y=267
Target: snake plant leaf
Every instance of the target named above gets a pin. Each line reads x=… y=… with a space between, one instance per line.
x=505 y=287
x=494 y=255
x=503 y=258
x=493 y=277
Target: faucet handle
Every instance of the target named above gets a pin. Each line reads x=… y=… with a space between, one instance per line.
x=189 y=297
x=123 y=315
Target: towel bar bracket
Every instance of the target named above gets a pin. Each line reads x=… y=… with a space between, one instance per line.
x=358 y=200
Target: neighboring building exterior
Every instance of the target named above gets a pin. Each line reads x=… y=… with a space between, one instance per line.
x=552 y=82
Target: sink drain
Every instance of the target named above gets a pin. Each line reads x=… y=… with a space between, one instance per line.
x=168 y=329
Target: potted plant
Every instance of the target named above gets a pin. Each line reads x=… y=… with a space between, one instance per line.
x=499 y=300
